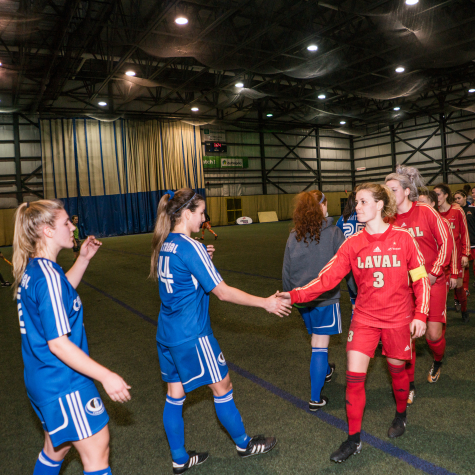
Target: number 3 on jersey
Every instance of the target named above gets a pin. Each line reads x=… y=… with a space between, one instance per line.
x=164 y=274
x=379 y=282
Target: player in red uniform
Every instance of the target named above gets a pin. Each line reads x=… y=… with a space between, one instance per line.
x=461 y=199
x=207 y=225
x=458 y=222
x=428 y=229
x=382 y=257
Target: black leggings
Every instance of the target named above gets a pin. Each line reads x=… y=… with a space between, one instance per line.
x=2 y=280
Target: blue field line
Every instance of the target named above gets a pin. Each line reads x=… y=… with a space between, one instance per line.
x=369 y=439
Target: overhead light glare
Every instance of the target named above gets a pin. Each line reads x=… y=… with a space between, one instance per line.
x=322 y=96
x=270 y=115
x=412 y=2
x=312 y=47
x=130 y=73
x=342 y=122
x=195 y=109
x=239 y=84
x=102 y=103
x=400 y=69
x=181 y=20
x=0 y=63
x=471 y=90
x=397 y=109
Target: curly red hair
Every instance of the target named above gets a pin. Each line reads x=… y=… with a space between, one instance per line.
x=308 y=215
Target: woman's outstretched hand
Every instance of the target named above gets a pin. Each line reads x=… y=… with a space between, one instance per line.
x=278 y=305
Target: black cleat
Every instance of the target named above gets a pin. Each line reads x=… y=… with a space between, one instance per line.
x=346 y=449
x=316 y=405
x=195 y=459
x=458 y=307
x=6 y=284
x=328 y=377
x=257 y=445
x=216 y=237
x=465 y=317
x=398 y=427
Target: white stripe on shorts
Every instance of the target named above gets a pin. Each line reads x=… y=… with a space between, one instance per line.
x=79 y=417
x=210 y=359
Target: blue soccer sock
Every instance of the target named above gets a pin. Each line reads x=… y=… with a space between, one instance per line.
x=229 y=416
x=175 y=428
x=104 y=471
x=318 y=370
x=46 y=466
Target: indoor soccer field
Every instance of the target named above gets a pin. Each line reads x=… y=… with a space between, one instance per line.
x=268 y=358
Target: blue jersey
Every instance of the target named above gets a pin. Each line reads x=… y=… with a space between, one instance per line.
x=186 y=276
x=351 y=226
x=49 y=307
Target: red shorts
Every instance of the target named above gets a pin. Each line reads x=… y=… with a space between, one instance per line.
x=438 y=300
x=397 y=342
x=472 y=254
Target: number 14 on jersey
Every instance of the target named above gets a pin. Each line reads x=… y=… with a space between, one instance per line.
x=164 y=273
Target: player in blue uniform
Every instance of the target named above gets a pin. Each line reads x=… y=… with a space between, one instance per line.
x=350 y=225
x=58 y=372
x=188 y=352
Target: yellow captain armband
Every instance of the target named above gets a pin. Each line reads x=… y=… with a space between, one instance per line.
x=418 y=273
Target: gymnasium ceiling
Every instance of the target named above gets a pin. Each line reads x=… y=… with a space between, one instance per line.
x=60 y=58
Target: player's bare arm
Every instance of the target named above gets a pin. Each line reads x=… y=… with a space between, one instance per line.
x=75 y=358
x=271 y=304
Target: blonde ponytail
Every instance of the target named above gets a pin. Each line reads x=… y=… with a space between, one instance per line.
x=160 y=233
x=27 y=236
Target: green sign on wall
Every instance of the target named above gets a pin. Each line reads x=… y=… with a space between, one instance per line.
x=225 y=162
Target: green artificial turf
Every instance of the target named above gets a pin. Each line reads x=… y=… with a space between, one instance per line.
x=440 y=426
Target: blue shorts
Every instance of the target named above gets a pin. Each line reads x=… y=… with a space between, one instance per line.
x=195 y=363
x=74 y=416
x=322 y=320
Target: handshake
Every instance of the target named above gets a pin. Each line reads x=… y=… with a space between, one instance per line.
x=279 y=304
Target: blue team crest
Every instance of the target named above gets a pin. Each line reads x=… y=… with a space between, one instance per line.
x=95 y=407
x=221 y=359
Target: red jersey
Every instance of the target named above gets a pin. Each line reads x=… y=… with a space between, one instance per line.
x=380 y=265
x=452 y=269
x=427 y=228
x=458 y=223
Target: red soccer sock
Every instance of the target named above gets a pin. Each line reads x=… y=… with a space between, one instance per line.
x=411 y=364
x=400 y=385
x=461 y=296
x=466 y=277
x=438 y=347
x=355 y=400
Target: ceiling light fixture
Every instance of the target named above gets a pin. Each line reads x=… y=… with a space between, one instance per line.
x=399 y=69
x=102 y=103
x=270 y=115
x=322 y=96
x=195 y=109
x=312 y=47
x=181 y=20
x=471 y=90
x=239 y=84
x=130 y=73
x=342 y=122
x=397 y=109
x=412 y=2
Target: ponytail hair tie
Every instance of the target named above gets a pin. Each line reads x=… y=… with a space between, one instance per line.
x=171 y=193
x=27 y=204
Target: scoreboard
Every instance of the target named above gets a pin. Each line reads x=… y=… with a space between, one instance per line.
x=215 y=147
